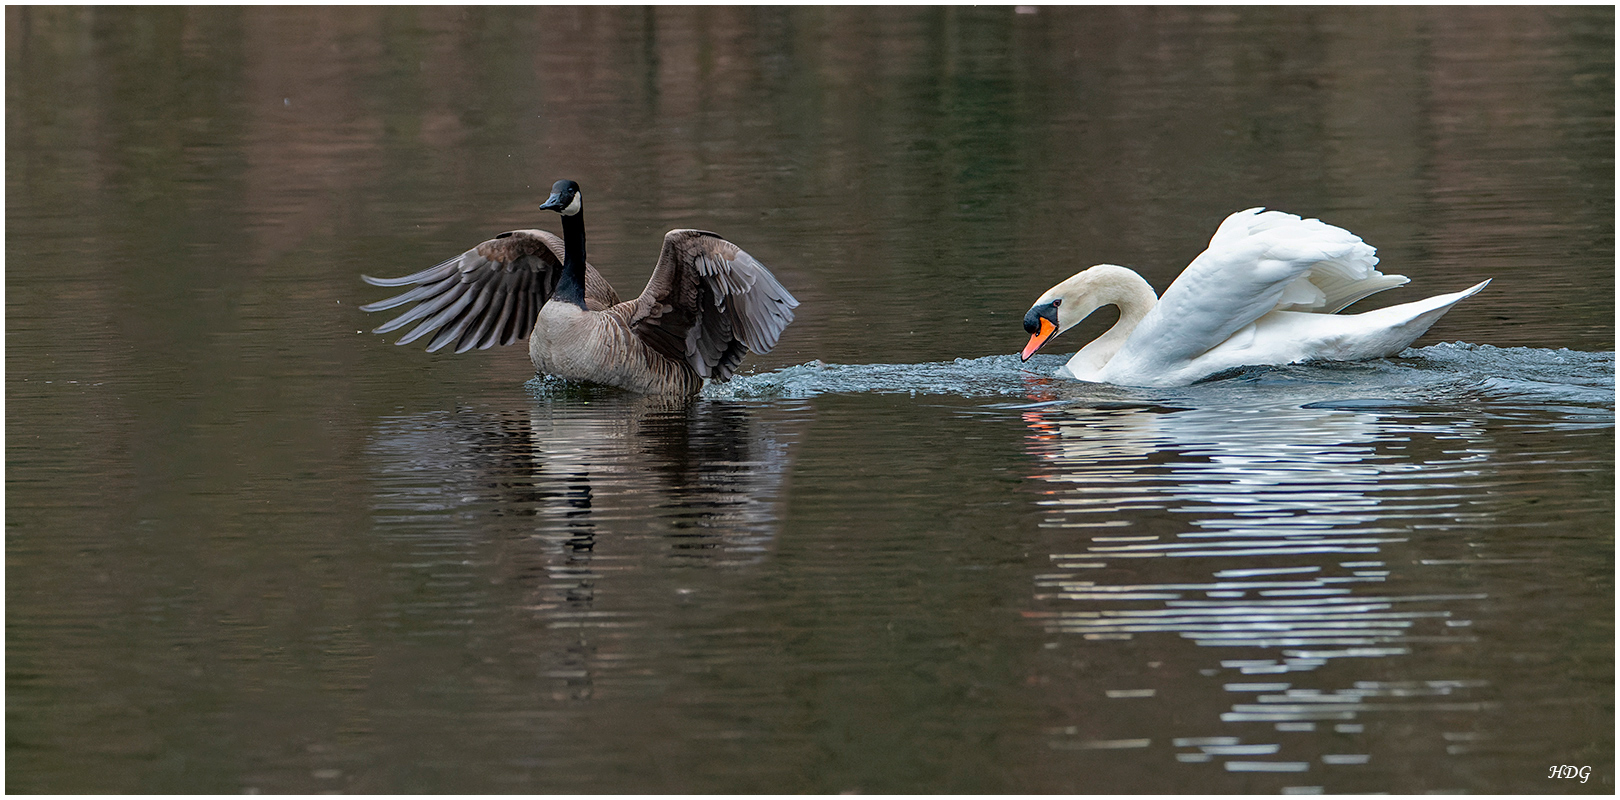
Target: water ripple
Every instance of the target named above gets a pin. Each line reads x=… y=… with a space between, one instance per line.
x=1280 y=514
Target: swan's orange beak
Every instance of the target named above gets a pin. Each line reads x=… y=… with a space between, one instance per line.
x=1039 y=338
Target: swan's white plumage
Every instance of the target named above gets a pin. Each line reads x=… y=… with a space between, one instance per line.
x=1264 y=292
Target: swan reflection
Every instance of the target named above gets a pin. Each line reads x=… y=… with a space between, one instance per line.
x=1274 y=532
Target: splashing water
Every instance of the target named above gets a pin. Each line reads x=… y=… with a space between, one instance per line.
x=1578 y=385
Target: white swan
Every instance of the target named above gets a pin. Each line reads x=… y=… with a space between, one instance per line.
x=1265 y=292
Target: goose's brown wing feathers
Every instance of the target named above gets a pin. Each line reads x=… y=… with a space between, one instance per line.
x=486 y=296
x=708 y=304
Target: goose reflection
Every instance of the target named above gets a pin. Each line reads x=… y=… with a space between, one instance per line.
x=703 y=475
x=571 y=499
x=1275 y=532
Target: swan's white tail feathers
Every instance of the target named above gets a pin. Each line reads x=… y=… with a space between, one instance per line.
x=1466 y=293
x=1439 y=301
x=1413 y=319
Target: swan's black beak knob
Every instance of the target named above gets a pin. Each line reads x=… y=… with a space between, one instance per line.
x=1041 y=325
x=1032 y=319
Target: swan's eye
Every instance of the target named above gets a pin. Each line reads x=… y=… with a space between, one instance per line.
x=1057 y=302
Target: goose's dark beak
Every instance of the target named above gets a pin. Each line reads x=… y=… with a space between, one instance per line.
x=1041 y=323
x=554 y=203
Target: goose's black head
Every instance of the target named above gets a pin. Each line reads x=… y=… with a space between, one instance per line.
x=565 y=199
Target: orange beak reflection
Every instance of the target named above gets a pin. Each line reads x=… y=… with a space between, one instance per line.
x=1048 y=328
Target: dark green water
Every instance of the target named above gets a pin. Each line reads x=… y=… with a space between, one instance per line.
x=251 y=548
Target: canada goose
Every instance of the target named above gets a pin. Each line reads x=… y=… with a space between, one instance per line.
x=1265 y=292
x=707 y=305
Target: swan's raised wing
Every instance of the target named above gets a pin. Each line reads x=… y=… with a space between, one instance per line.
x=708 y=304
x=1257 y=262
x=1326 y=286
x=486 y=296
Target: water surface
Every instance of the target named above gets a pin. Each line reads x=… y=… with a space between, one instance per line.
x=251 y=547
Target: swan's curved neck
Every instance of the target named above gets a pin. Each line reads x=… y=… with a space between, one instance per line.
x=1134 y=297
x=571 y=285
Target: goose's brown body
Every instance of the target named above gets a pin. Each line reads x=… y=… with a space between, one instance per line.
x=602 y=348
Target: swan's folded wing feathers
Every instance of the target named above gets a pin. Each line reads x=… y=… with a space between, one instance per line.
x=1257 y=262
x=1302 y=295
x=709 y=303
x=487 y=295
x=1343 y=283
x=1339 y=265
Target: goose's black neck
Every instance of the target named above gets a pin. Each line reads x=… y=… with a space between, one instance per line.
x=571 y=285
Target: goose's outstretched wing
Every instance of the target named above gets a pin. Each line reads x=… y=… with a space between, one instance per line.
x=708 y=303
x=486 y=296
